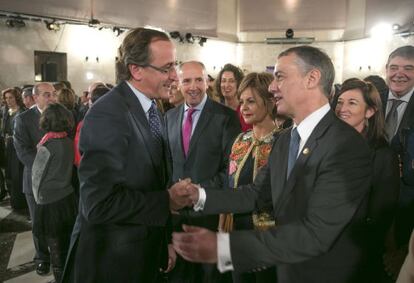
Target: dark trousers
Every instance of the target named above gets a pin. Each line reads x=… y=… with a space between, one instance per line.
x=40 y=243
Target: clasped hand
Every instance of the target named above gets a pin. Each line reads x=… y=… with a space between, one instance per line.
x=183 y=194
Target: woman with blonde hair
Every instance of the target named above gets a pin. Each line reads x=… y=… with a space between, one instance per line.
x=249 y=153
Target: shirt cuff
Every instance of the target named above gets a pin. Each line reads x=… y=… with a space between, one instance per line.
x=201 y=199
x=224 y=262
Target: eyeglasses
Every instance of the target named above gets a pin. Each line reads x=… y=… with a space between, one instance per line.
x=164 y=70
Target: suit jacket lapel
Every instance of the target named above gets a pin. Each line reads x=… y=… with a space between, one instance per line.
x=408 y=117
x=138 y=115
x=203 y=120
x=303 y=157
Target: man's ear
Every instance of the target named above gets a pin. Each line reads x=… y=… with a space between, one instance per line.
x=313 y=78
x=135 y=71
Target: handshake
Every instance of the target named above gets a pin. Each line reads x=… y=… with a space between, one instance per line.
x=183 y=194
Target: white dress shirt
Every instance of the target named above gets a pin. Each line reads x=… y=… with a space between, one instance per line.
x=305 y=129
x=196 y=114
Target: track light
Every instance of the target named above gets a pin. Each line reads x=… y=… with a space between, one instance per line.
x=118 y=31
x=289 y=33
x=52 y=25
x=15 y=23
x=202 y=40
x=189 y=38
x=176 y=35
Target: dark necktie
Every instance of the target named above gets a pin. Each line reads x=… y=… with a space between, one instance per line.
x=392 y=118
x=293 y=149
x=155 y=124
x=187 y=128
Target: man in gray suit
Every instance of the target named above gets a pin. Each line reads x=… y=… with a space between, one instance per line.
x=27 y=134
x=200 y=135
x=317 y=179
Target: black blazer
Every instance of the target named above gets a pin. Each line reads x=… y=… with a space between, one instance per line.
x=208 y=154
x=120 y=233
x=27 y=135
x=320 y=210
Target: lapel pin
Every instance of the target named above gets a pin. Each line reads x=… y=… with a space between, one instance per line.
x=306 y=151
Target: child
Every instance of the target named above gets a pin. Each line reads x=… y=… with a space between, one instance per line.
x=51 y=177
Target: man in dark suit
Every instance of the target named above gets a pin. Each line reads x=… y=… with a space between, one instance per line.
x=27 y=134
x=398 y=105
x=120 y=234
x=200 y=149
x=317 y=179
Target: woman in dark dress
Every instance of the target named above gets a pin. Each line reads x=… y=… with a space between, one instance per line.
x=14 y=168
x=249 y=153
x=359 y=105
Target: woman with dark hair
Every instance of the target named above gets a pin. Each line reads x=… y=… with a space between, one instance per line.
x=249 y=153
x=14 y=168
x=51 y=182
x=227 y=84
x=359 y=105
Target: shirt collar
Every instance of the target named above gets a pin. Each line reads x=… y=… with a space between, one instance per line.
x=306 y=127
x=143 y=99
x=405 y=98
x=199 y=107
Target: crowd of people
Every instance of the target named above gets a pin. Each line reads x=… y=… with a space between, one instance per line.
x=172 y=176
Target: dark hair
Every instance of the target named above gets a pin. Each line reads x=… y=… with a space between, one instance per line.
x=314 y=58
x=259 y=83
x=375 y=130
x=67 y=98
x=378 y=82
x=59 y=86
x=98 y=91
x=27 y=91
x=16 y=94
x=406 y=52
x=135 y=50
x=238 y=75
x=56 y=118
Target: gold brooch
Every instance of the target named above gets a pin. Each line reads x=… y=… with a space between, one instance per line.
x=305 y=151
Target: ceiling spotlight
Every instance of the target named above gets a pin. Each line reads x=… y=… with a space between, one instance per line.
x=176 y=35
x=396 y=27
x=189 y=38
x=118 y=31
x=93 y=23
x=52 y=25
x=202 y=41
x=15 y=23
x=289 y=33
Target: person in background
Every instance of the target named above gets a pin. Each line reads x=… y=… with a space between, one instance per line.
x=14 y=168
x=96 y=93
x=227 y=84
x=175 y=97
x=359 y=105
x=27 y=134
x=249 y=154
x=27 y=95
x=51 y=178
x=67 y=98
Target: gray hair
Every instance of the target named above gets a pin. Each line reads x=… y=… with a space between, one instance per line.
x=314 y=58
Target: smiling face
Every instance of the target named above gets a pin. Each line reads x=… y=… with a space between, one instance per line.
x=228 y=84
x=155 y=79
x=252 y=107
x=400 y=75
x=175 y=96
x=352 y=109
x=193 y=83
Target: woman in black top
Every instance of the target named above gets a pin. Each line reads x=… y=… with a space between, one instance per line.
x=359 y=105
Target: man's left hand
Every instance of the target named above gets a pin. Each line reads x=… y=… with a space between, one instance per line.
x=196 y=244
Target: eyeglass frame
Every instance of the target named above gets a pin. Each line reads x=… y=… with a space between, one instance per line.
x=165 y=70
